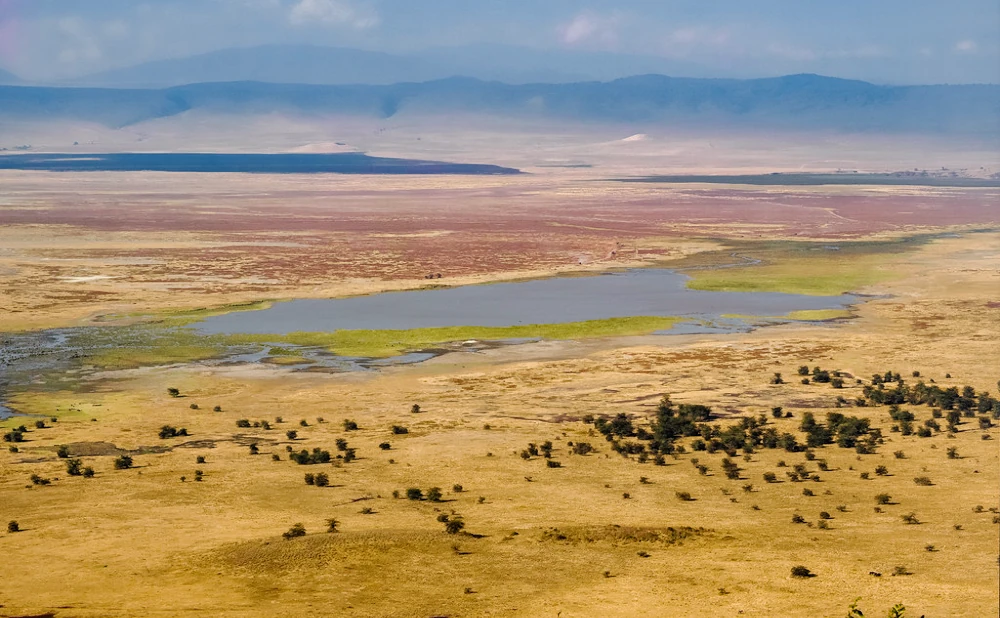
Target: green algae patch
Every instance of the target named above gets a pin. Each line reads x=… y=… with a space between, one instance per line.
x=385 y=343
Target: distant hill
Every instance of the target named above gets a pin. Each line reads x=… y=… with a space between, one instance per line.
x=796 y=101
x=6 y=77
x=311 y=64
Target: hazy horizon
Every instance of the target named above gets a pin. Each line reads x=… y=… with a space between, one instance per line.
x=891 y=42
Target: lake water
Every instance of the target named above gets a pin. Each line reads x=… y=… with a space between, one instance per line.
x=639 y=292
x=811 y=179
x=251 y=163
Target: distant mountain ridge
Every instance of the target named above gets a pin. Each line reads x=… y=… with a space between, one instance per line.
x=795 y=101
x=312 y=64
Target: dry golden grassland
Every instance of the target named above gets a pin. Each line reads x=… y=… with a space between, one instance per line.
x=537 y=540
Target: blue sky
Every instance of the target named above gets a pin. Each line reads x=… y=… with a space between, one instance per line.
x=886 y=41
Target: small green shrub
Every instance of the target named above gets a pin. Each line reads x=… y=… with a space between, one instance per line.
x=171 y=432
x=74 y=467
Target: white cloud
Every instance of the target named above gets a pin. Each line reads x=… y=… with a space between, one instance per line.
x=116 y=29
x=591 y=27
x=333 y=13
x=967 y=46
x=789 y=51
x=684 y=41
x=863 y=51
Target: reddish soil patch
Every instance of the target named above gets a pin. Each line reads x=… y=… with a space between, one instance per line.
x=267 y=237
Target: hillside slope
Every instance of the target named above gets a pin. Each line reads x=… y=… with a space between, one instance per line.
x=793 y=102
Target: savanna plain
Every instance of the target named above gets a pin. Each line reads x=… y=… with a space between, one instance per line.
x=592 y=469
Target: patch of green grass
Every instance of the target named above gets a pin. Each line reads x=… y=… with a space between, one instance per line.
x=279 y=351
x=795 y=267
x=161 y=344
x=384 y=343
x=837 y=277
x=139 y=345
x=161 y=354
x=819 y=315
x=804 y=315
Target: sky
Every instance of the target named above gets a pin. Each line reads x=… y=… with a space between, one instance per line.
x=883 y=41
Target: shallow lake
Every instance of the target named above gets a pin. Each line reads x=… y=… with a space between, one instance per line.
x=639 y=292
x=250 y=163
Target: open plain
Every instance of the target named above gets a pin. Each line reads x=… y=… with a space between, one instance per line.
x=547 y=528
